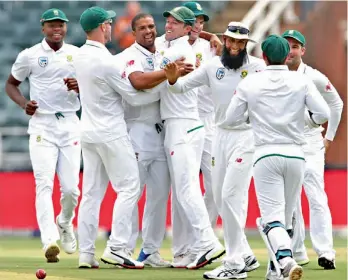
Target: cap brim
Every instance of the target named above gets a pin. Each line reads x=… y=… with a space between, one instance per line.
x=205 y=16
x=177 y=17
x=238 y=36
x=293 y=37
x=111 y=14
x=55 y=18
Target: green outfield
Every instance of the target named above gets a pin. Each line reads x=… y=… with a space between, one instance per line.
x=21 y=257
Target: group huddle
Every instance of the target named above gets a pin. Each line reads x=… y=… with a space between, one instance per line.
x=158 y=113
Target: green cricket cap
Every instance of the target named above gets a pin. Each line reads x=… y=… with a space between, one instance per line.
x=94 y=16
x=297 y=35
x=276 y=48
x=196 y=8
x=182 y=14
x=53 y=14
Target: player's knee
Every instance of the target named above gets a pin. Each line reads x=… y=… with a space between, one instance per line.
x=271 y=225
x=43 y=185
x=71 y=191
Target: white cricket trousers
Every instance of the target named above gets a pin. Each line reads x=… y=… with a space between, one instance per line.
x=184 y=140
x=147 y=143
x=320 y=215
x=54 y=145
x=233 y=152
x=206 y=166
x=278 y=180
x=114 y=161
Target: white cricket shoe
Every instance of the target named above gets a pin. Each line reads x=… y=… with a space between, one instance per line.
x=155 y=260
x=120 y=258
x=301 y=258
x=292 y=270
x=67 y=237
x=52 y=251
x=225 y=272
x=88 y=261
x=206 y=257
x=182 y=261
x=251 y=263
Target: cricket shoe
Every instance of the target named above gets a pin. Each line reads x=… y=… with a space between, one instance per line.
x=225 y=272
x=327 y=261
x=251 y=263
x=52 y=251
x=292 y=270
x=120 y=258
x=183 y=260
x=206 y=257
x=88 y=261
x=67 y=237
x=153 y=260
x=301 y=258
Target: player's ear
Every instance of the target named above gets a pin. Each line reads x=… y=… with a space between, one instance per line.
x=133 y=33
x=303 y=50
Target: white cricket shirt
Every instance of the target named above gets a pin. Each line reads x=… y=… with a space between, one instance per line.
x=332 y=98
x=46 y=70
x=183 y=106
x=275 y=100
x=203 y=54
x=102 y=87
x=222 y=82
x=139 y=59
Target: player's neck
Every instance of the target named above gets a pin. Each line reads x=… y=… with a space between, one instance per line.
x=151 y=49
x=96 y=38
x=54 y=46
x=192 y=41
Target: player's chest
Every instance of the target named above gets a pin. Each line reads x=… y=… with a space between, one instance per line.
x=52 y=64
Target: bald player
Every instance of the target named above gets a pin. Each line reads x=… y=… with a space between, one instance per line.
x=233 y=146
x=315 y=149
x=276 y=101
x=54 y=142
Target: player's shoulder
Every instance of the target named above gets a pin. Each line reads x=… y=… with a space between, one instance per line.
x=72 y=48
x=315 y=75
x=33 y=50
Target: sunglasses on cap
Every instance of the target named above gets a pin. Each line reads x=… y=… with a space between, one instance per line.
x=238 y=29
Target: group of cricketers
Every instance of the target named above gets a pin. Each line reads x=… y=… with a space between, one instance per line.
x=158 y=113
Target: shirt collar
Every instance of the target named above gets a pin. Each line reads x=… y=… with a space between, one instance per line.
x=175 y=41
x=277 y=67
x=302 y=67
x=143 y=50
x=95 y=44
x=46 y=46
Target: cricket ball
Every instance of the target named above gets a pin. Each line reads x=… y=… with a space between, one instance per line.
x=40 y=274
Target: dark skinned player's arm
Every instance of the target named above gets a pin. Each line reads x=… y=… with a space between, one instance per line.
x=146 y=80
x=14 y=93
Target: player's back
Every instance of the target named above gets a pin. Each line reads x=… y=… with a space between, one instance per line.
x=276 y=105
x=102 y=112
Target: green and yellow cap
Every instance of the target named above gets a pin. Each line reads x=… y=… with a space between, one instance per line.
x=182 y=14
x=94 y=16
x=196 y=8
x=276 y=48
x=297 y=35
x=53 y=14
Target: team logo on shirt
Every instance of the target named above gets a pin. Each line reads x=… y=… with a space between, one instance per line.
x=213 y=161
x=243 y=74
x=130 y=63
x=38 y=138
x=199 y=56
x=165 y=61
x=220 y=73
x=69 y=58
x=328 y=87
x=43 y=61
x=150 y=62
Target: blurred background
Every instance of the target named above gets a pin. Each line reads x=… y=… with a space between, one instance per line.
x=324 y=25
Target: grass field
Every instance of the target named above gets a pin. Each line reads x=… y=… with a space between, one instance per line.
x=20 y=258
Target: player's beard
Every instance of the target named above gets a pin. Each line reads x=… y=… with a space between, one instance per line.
x=233 y=61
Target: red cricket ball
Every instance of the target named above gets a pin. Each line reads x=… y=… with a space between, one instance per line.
x=40 y=274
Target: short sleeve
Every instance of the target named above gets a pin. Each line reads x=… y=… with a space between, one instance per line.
x=21 y=68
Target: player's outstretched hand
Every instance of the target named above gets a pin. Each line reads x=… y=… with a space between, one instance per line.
x=172 y=71
x=184 y=68
x=30 y=107
x=216 y=44
x=72 y=84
